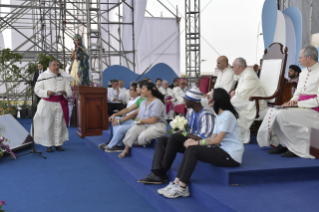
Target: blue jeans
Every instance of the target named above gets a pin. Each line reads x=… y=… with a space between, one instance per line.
x=119 y=132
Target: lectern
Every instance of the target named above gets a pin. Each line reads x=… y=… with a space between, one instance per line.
x=91 y=110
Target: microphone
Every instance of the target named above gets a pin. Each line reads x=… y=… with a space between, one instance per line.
x=59 y=75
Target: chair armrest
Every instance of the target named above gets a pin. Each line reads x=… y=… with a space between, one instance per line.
x=256 y=99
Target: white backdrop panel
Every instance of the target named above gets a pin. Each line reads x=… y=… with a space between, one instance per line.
x=159 y=43
x=139 y=12
x=269 y=76
x=17 y=37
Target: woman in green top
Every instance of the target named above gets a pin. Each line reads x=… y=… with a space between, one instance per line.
x=126 y=122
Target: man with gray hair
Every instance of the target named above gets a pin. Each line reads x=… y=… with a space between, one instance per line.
x=52 y=116
x=289 y=130
x=168 y=99
x=248 y=85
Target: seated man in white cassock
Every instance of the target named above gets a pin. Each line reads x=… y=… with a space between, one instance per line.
x=179 y=92
x=52 y=116
x=168 y=99
x=225 y=78
x=248 y=85
x=289 y=130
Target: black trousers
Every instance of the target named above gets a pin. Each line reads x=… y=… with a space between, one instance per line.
x=208 y=154
x=112 y=107
x=165 y=153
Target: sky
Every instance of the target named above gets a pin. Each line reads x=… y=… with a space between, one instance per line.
x=228 y=26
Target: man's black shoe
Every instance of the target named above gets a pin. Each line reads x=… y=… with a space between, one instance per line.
x=59 y=148
x=153 y=179
x=278 y=150
x=288 y=154
x=49 y=149
x=103 y=146
x=114 y=149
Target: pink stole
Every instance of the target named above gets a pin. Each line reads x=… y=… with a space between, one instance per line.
x=306 y=97
x=169 y=106
x=64 y=105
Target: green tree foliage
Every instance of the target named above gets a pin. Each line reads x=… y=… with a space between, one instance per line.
x=9 y=71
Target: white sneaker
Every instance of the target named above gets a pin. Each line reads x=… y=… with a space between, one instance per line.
x=168 y=187
x=177 y=191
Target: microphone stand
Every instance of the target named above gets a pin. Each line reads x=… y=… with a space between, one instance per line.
x=33 y=150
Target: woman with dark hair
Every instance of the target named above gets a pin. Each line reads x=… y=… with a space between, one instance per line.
x=223 y=148
x=150 y=122
x=122 y=124
x=130 y=112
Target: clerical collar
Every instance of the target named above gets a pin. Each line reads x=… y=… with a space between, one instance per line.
x=310 y=68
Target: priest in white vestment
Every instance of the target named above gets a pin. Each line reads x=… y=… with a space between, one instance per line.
x=225 y=78
x=248 y=85
x=168 y=99
x=289 y=130
x=52 y=116
x=179 y=92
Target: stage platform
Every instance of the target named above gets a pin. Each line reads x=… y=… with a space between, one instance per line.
x=220 y=188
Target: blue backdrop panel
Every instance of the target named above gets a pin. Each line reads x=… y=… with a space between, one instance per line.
x=295 y=16
x=160 y=70
x=269 y=21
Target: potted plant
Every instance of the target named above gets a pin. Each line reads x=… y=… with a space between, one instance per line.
x=9 y=71
x=13 y=111
x=2 y=203
x=5 y=147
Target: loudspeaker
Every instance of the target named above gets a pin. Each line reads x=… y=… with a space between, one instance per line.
x=18 y=137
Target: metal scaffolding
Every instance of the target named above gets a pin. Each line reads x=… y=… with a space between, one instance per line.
x=54 y=23
x=192 y=39
x=283 y=4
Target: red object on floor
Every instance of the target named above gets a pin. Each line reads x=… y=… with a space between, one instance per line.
x=180 y=109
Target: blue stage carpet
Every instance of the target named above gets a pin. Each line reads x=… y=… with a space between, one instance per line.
x=272 y=183
x=72 y=181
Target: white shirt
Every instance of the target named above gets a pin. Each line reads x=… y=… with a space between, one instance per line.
x=225 y=80
x=308 y=85
x=112 y=94
x=131 y=102
x=179 y=95
x=127 y=95
x=196 y=88
x=123 y=89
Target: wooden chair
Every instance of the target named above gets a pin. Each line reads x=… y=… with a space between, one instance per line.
x=272 y=76
x=314 y=143
x=205 y=83
x=287 y=95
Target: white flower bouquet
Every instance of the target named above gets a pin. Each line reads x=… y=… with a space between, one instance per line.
x=178 y=123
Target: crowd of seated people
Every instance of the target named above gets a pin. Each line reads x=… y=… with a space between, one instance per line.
x=219 y=129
